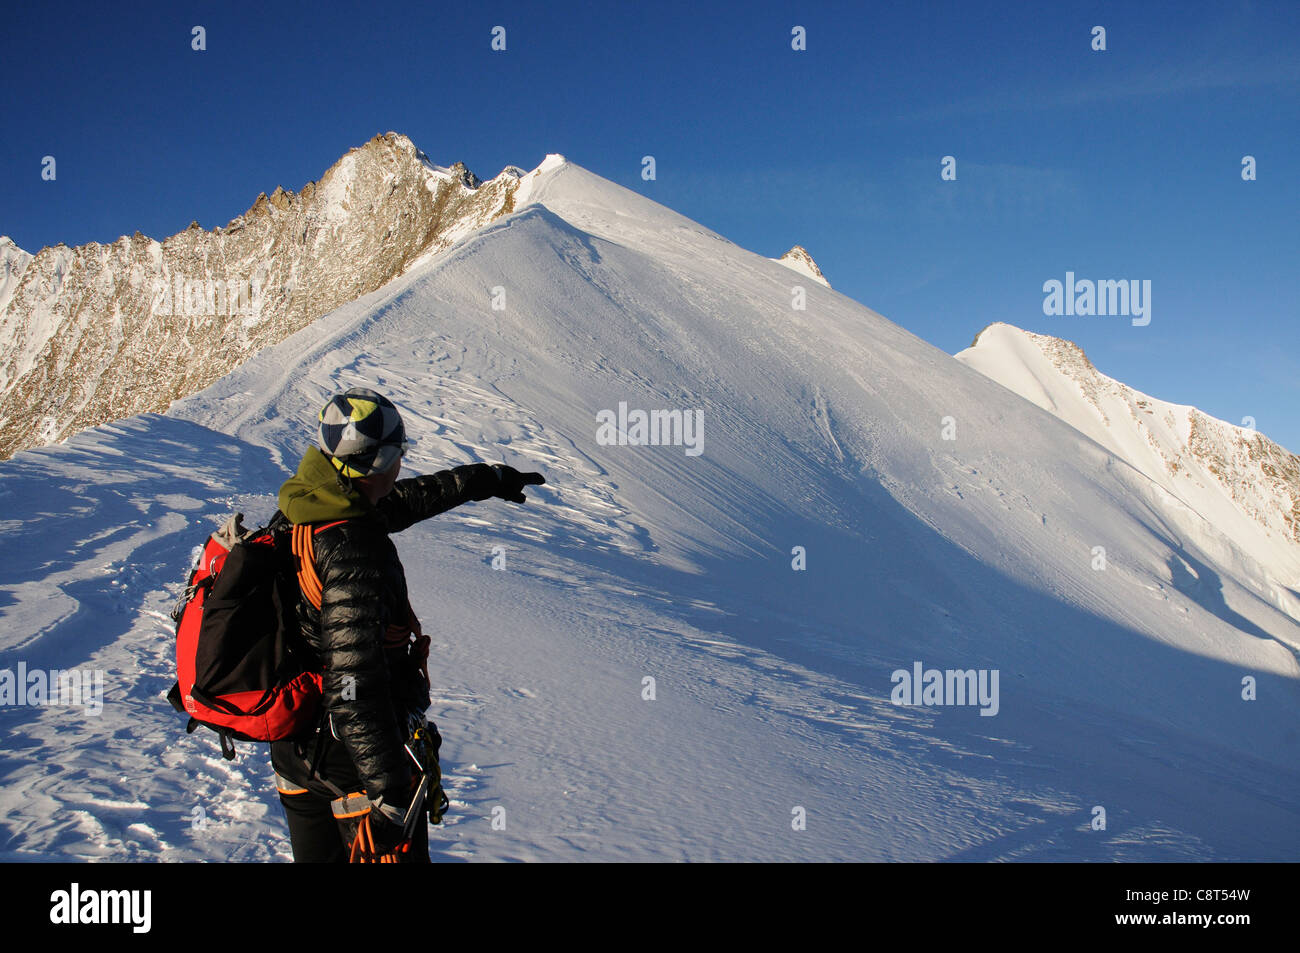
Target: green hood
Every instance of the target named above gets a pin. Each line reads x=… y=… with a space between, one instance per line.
x=315 y=494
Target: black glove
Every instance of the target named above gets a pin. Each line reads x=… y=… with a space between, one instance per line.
x=386 y=827
x=499 y=480
x=512 y=482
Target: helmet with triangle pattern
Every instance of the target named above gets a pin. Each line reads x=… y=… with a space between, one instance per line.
x=361 y=433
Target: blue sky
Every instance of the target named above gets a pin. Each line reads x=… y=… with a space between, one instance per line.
x=1117 y=164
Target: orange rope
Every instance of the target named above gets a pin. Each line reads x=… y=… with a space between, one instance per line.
x=304 y=548
x=364 y=850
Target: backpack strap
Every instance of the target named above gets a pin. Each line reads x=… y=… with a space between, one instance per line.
x=303 y=546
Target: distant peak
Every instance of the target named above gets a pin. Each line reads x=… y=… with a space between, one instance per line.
x=798 y=259
x=991 y=326
x=999 y=333
x=552 y=161
x=467 y=178
x=529 y=182
x=390 y=143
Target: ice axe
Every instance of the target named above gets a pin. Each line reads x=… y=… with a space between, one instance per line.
x=421 y=792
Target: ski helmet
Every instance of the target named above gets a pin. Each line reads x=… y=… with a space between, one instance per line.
x=361 y=432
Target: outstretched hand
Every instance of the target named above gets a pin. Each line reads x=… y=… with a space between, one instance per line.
x=511 y=482
x=483 y=481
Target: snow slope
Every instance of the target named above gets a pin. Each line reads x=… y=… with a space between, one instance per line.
x=1120 y=687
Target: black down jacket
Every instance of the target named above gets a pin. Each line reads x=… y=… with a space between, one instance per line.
x=369 y=690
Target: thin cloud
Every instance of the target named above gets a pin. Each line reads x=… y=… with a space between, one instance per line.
x=985 y=190
x=1182 y=79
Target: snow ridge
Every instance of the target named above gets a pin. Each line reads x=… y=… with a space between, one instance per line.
x=1234 y=476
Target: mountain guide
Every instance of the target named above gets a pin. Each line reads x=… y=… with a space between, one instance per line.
x=361 y=785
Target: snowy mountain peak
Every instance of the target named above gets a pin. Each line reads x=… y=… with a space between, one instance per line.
x=1234 y=477
x=79 y=327
x=1065 y=353
x=798 y=259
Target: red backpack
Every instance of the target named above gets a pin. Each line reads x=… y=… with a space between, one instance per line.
x=241 y=666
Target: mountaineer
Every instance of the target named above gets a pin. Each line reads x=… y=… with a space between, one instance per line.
x=347 y=788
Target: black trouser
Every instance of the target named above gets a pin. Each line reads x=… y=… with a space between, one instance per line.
x=316 y=835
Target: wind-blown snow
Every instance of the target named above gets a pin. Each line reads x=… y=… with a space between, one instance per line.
x=824 y=429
